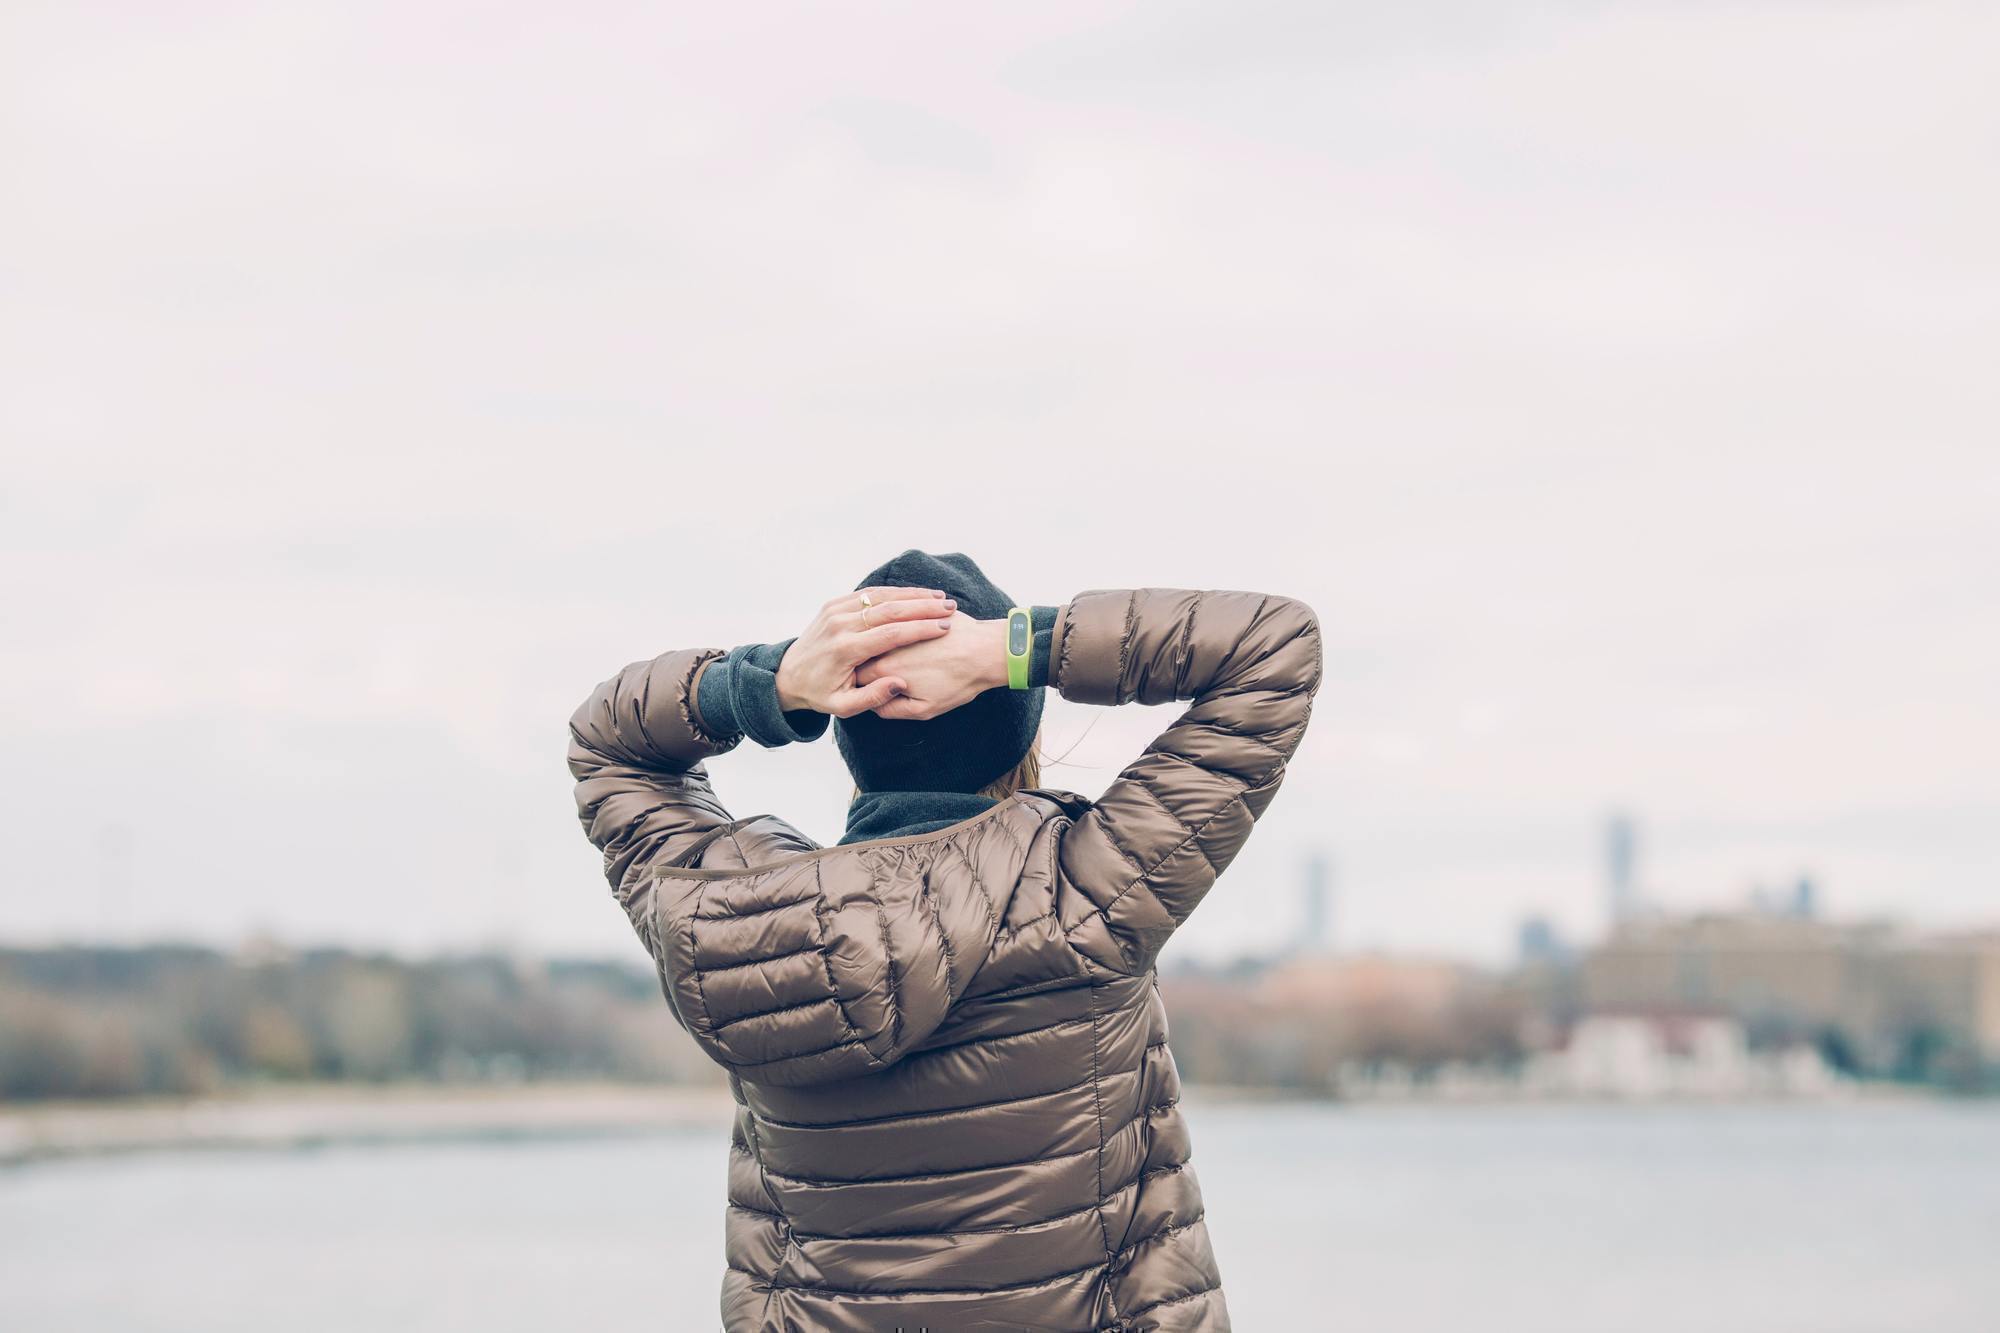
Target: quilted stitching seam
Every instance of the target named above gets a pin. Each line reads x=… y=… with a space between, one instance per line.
x=1204 y=1293
x=760 y=1283
x=694 y=951
x=1012 y=1228
x=1125 y=644
x=759 y=962
x=978 y=885
x=944 y=940
x=889 y=970
x=931 y=1175
x=1184 y=654
x=832 y=987
x=740 y=1019
x=920 y=1116
x=1097 y=1097
x=784 y=1225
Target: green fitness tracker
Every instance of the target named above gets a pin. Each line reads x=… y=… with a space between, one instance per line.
x=1020 y=638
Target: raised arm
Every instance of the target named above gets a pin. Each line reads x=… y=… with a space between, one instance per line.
x=636 y=745
x=1141 y=859
x=1136 y=863
x=635 y=749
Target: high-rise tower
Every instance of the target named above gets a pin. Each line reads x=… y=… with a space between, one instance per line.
x=1621 y=855
x=1316 y=929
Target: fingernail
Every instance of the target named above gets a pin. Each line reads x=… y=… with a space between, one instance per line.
x=951 y=601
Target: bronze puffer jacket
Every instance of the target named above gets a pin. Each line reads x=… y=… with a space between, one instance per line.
x=956 y=1109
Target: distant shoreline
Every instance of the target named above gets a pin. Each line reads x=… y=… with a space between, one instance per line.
x=300 y=1116
x=313 y=1115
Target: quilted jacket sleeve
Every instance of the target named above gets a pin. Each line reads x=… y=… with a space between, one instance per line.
x=635 y=749
x=1138 y=862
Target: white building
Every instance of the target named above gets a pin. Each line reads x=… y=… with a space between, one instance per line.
x=1647 y=1057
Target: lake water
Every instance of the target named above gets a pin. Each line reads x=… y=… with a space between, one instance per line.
x=1828 y=1219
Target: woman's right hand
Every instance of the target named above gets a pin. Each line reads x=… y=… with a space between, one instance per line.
x=818 y=669
x=935 y=678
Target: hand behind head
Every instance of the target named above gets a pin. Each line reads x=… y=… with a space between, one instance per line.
x=940 y=673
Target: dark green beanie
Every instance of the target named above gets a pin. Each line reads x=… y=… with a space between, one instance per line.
x=963 y=750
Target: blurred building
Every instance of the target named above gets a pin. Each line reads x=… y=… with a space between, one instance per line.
x=1800 y=900
x=1871 y=986
x=1621 y=856
x=1543 y=982
x=1643 y=1057
x=1538 y=943
x=1315 y=936
x=1805 y=899
x=1948 y=985
x=1421 y=988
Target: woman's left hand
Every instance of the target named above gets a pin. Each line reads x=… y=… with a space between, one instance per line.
x=818 y=669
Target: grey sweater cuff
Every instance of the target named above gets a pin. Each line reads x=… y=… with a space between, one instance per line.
x=738 y=696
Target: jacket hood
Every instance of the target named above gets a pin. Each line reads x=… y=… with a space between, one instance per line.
x=807 y=964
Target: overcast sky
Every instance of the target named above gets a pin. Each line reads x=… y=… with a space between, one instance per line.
x=1618 y=382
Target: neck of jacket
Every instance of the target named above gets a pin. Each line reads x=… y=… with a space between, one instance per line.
x=898 y=814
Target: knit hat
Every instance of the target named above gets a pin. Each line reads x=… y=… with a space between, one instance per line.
x=977 y=742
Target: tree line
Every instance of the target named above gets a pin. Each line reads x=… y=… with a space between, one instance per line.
x=181 y=1020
